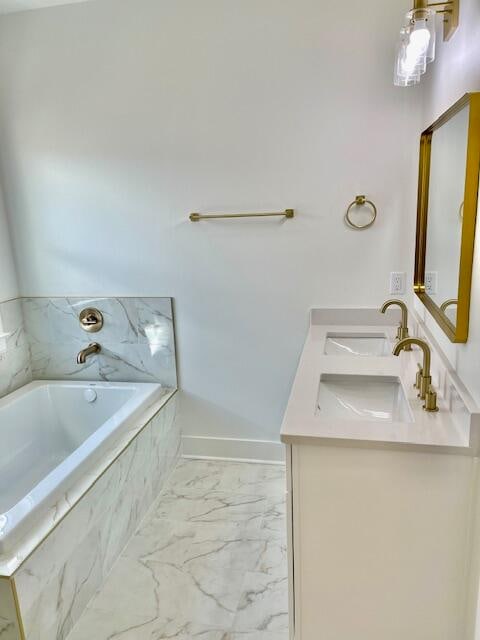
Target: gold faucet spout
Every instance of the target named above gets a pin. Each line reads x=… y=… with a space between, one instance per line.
x=403 y=307
x=92 y=348
x=400 y=346
x=427 y=392
x=448 y=303
x=403 y=328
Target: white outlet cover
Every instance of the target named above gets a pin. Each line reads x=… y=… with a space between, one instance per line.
x=397 y=282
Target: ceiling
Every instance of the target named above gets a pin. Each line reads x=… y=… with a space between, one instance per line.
x=11 y=6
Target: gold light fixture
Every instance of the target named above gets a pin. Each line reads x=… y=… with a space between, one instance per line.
x=416 y=48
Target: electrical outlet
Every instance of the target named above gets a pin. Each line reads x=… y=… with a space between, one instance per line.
x=431 y=282
x=397 y=282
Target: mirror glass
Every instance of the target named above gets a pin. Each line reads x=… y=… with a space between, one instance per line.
x=445 y=212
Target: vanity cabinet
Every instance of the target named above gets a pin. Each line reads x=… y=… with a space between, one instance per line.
x=383 y=506
x=379 y=544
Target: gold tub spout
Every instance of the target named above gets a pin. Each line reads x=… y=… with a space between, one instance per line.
x=92 y=348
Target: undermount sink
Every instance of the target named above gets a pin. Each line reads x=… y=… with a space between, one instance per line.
x=365 y=398
x=353 y=344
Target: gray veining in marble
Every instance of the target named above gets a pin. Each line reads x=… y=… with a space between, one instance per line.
x=40 y=339
x=137 y=339
x=9 y=629
x=15 y=365
x=209 y=561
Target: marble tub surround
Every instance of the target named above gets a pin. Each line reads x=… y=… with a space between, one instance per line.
x=9 y=625
x=209 y=561
x=455 y=427
x=15 y=364
x=137 y=339
x=40 y=339
x=55 y=583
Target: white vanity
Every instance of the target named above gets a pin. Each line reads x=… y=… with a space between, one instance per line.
x=382 y=494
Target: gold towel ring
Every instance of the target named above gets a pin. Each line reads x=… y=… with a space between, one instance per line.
x=359 y=201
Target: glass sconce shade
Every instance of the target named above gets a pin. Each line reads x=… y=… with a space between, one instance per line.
x=418 y=37
x=416 y=47
x=433 y=36
x=423 y=32
x=407 y=67
x=405 y=81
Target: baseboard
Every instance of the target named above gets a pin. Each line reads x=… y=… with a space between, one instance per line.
x=233 y=449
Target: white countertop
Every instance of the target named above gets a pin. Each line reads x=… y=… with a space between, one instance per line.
x=449 y=428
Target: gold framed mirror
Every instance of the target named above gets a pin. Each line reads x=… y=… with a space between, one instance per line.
x=446 y=215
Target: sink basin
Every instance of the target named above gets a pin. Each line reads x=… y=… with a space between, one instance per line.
x=364 y=398
x=352 y=344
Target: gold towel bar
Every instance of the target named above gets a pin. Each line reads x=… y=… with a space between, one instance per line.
x=195 y=217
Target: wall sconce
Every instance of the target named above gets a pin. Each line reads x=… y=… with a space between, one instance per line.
x=416 y=48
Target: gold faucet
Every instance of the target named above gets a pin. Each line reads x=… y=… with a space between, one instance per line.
x=448 y=303
x=93 y=347
x=402 y=331
x=424 y=379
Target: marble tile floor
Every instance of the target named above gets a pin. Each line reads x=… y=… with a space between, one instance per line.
x=208 y=562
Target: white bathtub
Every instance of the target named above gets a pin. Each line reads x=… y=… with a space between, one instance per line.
x=50 y=434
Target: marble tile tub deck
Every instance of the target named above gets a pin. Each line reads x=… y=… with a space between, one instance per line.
x=208 y=561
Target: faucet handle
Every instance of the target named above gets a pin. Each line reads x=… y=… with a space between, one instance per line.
x=399 y=332
x=403 y=333
x=418 y=377
x=430 y=400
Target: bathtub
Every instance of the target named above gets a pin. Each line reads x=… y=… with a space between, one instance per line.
x=52 y=433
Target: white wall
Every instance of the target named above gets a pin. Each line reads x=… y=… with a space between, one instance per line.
x=455 y=72
x=119 y=117
x=8 y=278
